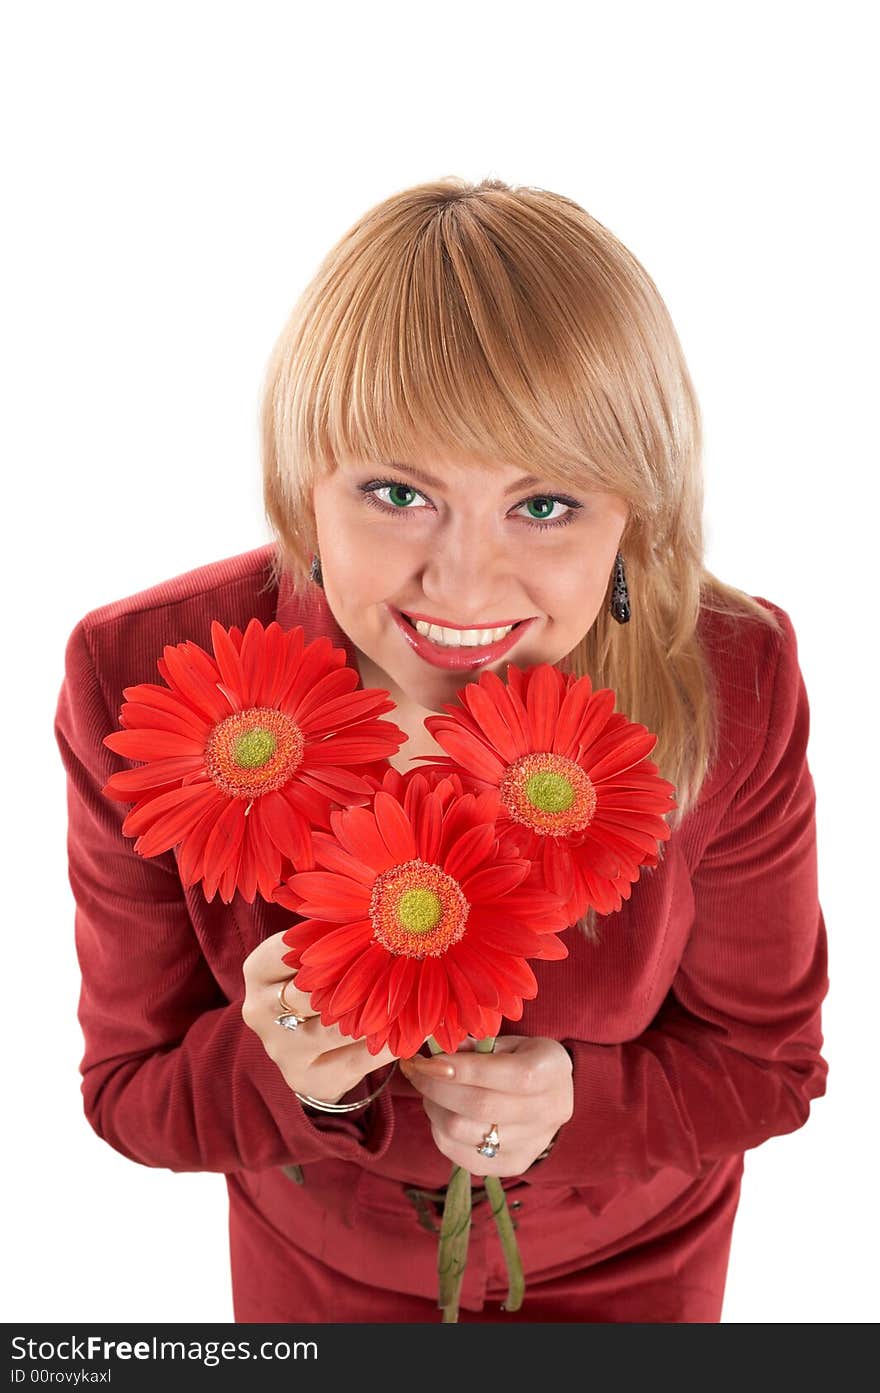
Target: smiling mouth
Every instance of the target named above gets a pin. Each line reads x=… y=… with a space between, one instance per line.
x=447 y=637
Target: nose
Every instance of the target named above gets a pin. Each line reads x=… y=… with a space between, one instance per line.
x=470 y=573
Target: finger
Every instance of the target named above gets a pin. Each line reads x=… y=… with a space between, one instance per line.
x=479 y=1104
x=317 y=1038
x=505 y=1070
x=339 y=1070
x=266 y=962
x=458 y=1138
x=297 y=1002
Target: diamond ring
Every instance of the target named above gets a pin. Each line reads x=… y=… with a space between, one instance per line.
x=491 y=1143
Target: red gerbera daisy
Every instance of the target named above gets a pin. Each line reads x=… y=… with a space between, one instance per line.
x=396 y=783
x=578 y=793
x=419 y=924
x=246 y=751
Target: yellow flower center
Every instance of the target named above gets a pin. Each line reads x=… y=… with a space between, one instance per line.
x=417 y=910
x=549 y=794
x=549 y=791
x=253 y=749
x=254 y=752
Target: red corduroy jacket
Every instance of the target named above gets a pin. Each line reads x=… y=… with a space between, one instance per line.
x=694 y=1024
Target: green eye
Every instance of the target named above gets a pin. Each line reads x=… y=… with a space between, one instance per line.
x=545 y=504
x=397 y=489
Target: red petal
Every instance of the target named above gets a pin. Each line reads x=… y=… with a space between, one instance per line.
x=154 y=697
x=228 y=662
x=266 y=855
x=357 y=831
x=337 y=945
x=505 y=936
x=394 y=827
x=340 y=784
x=433 y=994
x=224 y=842
x=153 y=744
x=490 y=719
x=364 y=747
x=374 y=1013
x=493 y=882
x=248 y=871
x=281 y=657
x=332 y=897
x=429 y=826
x=462 y=993
x=332 y=857
x=626 y=752
x=543 y=696
x=191 y=853
x=404 y=976
x=510 y=702
x=481 y=982
x=184 y=805
x=136 y=715
x=572 y=714
x=189 y=681
x=327 y=698
x=130 y=782
x=277 y=818
x=173 y=825
x=312 y=803
x=598 y=715
x=340 y=705
x=512 y=974
x=359 y=980
x=469 y=751
x=251 y=660
x=300 y=936
x=313 y=662
x=470 y=852
x=552 y=947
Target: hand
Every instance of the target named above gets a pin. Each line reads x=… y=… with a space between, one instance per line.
x=315 y=1059
x=524 y=1087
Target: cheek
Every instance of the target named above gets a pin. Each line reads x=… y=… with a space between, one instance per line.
x=573 y=599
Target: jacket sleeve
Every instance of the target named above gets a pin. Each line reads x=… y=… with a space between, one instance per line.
x=733 y=1055
x=171 y=1075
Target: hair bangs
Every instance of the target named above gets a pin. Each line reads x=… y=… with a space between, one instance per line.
x=464 y=334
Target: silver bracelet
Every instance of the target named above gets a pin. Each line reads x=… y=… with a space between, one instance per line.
x=346 y=1107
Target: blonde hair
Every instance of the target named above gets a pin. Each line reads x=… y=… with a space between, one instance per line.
x=492 y=321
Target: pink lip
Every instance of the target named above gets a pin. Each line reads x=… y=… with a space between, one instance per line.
x=457 y=659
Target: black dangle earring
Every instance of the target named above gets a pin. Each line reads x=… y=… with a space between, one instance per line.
x=619 y=605
x=315 y=572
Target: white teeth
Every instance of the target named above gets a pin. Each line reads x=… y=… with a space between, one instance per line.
x=456 y=638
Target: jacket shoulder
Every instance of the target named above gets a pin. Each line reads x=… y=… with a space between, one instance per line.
x=754 y=668
x=124 y=639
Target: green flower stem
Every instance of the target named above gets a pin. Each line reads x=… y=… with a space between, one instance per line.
x=497 y=1197
x=516 y=1285
x=455 y=1228
x=454 y=1249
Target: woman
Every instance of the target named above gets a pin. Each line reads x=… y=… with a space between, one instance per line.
x=478 y=416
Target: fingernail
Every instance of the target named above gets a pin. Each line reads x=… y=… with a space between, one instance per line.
x=431 y=1068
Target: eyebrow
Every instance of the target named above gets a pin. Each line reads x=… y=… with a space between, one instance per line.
x=525 y=482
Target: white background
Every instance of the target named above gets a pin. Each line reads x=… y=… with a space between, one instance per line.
x=173 y=175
